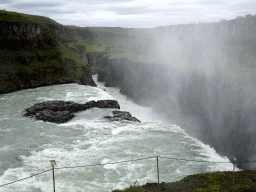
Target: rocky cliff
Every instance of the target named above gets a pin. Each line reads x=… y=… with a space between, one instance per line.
x=34 y=52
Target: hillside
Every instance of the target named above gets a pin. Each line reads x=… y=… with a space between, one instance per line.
x=34 y=52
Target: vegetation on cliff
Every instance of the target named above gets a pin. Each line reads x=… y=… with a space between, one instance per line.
x=205 y=182
x=34 y=51
x=117 y=42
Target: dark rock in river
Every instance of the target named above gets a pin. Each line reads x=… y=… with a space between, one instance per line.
x=62 y=111
x=122 y=115
x=54 y=116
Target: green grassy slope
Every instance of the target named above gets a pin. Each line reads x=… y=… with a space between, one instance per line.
x=117 y=42
x=205 y=182
x=35 y=51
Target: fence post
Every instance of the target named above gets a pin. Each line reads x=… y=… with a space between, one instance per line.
x=53 y=178
x=234 y=173
x=157 y=171
x=53 y=163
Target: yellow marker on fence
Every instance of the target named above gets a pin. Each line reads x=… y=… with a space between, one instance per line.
x=53 y=162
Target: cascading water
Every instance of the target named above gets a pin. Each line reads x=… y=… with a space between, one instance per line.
x=27 y=146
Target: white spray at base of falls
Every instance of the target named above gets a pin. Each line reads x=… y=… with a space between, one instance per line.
x=27 y=146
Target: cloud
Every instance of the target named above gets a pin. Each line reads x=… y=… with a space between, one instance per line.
x=97 y=2
x=121 y=10
x=6 y=1
x=125 y=13
x=51 y=12
x=35 y=4
x=243 y=8
x=208 y=3
x=156 y=10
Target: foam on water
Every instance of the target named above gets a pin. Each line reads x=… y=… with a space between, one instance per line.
x=78 y=93
x=89 y=139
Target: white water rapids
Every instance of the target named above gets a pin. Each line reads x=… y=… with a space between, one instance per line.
x=27 y=146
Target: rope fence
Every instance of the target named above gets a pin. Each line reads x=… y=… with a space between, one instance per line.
x=126 y=161
x=25 y=178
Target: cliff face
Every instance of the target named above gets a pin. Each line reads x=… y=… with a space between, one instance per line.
x=33 y=52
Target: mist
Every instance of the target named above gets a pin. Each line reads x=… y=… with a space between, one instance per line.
x=209 y=83
x=200 y=77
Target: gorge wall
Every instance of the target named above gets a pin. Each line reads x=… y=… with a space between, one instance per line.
x=204 y=81
x=34 y=52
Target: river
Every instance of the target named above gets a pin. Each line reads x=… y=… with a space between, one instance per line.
x=27 y=146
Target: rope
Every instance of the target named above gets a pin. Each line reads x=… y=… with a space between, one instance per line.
x=203 y=160
x=75 y=167
x=246 y=161
x=120 y=162
x=25 y=178
x=192 y=160
x=106 y=163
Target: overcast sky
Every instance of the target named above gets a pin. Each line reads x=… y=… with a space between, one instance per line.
x=132 y=13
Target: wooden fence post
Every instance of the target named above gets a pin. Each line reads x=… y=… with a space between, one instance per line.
x=53 y=178
x=233 y=174
x=157 y=171
x=53 y=163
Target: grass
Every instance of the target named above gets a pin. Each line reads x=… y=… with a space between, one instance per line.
x=90 y=48
x=113 y=30
x=134 y=187
x=205 y=182
x=51 y=62
x=12 y=17
x=136 y=57
x=114 y=41
x=28 y=61
x=15 y=17
x=91 y=44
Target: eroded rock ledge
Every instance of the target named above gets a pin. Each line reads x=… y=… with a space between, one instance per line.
x=62 y=111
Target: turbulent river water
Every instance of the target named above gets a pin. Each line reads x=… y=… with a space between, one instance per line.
x=27 y=146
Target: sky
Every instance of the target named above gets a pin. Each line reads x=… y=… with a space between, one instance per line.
x=132 y=13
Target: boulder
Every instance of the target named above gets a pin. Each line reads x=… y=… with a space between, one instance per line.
x=54 y=116
x=122 y=115
x=62 y=111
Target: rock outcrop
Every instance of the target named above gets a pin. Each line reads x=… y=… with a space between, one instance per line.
x=122 y=115
x=37 y=51
x=62 y=111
